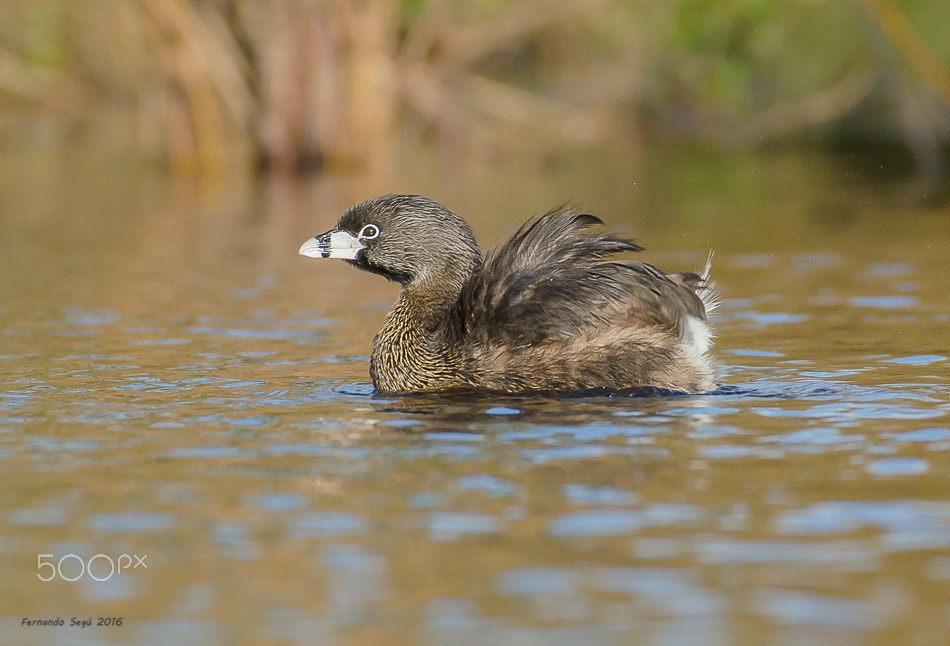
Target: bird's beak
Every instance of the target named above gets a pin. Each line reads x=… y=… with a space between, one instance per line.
x=332 y=244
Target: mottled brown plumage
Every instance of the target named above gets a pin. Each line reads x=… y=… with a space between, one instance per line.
x=550 y=310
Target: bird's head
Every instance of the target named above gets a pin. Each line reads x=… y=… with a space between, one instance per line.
x=409 y=239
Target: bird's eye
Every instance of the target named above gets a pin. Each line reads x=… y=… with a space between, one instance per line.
x=369 y=232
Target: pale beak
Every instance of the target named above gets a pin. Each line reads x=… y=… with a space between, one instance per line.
x=332 y=244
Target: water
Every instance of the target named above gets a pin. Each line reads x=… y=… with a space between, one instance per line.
x=178 y=387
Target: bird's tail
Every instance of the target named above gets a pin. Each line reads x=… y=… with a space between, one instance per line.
x=706 y=289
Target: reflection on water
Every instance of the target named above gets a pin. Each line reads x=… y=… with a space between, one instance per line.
x=197 y=396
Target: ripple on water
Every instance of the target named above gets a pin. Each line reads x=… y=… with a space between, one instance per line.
x=903 y=517
x=710 y=411
x=454 y=436
x=450 y=525
x=916 y=360
x=581 y=494
x=355 y=578
x=833 y=553
x=897 y=466
x=406 y=422
x=279 y=501
x=586 y=432
x=753 y=353
x=932 y=434
x=111 y=588
x=327 y=524
x=313 y=449
x=817 y=438
x=50 y=444
x=132 y=522
x=240 y=383
x=851 y=411
x=796 y=608
x=731 y=451
x=487 y=484
x=180 y=632
x=257 y=333
x=671 y=590
x=235 y=543
x=537 y=581
x=162 y=342
x=87 y=316
x=502 y=411
x=578 y=452
x=255 y=421
x=768 y=318
x=204 y=452
x=883 y=302
x=617 y=522
x=39 y=517
x=359 y=389
x=823 y=389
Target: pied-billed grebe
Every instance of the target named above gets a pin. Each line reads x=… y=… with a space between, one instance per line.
x=545 y=312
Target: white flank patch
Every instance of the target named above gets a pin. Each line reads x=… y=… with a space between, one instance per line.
x=697 y=338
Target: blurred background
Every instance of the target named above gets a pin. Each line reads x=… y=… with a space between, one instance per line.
x=206 y=87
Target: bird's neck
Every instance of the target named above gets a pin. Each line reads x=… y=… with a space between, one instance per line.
x=413 y=351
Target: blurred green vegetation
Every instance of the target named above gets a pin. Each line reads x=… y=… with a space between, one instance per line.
x=297 y=84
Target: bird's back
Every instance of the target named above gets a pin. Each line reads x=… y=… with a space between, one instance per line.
x=552 y=310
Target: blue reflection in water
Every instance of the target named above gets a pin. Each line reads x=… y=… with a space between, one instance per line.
x=454 y=436
x=847 y=516
x=537 y=581
x=847 y=554
x=728 y=451
x=502 y=411
x=317 y=450
x=90 y=315
x=889 y=269
x=425 y=500
x=455 y=622
x=267 y=333
x=817 y=435
x=671 y=590
x=488 y=484
x=132 y=522
x=583 y=495
x=917 y=360
x=355 y=579
x=179 y=633
x=449 y=525
x=39 y=517
x=576 y=452
x=235 y=543
x=615 y=522
x=293 y=624
x=585 y=432
x=50 y=444
x=845 y=411
x=327 y=524
x=746 y=352
x=883 y=302
x=932 y=434
x=768 y=318
x=897 y=466
x=204 y=452
x=794 y=608
x=279 y=501
x=116 y=587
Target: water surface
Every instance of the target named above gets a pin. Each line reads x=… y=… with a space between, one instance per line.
x=178 y=385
